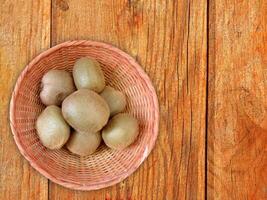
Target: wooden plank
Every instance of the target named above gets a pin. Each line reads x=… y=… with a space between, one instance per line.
x=237 y=130
x=24 y=32
x=168 y=38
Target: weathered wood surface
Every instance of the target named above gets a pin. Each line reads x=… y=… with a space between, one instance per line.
x=207 y=61
x=237 y=122
x=169 y=40
x=24 y=32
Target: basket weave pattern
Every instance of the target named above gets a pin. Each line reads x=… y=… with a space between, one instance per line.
x=105 y=167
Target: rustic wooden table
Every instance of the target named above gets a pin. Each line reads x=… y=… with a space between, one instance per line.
x=208 y=62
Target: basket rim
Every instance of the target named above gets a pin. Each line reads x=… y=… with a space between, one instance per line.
x=141 y=73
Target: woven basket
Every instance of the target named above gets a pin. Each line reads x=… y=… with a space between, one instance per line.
x=105 y=167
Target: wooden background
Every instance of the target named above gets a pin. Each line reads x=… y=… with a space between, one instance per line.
x=208 y=62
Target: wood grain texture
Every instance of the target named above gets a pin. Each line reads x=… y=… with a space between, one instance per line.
x=24 y=31
x=237 y=123
x=168 y=38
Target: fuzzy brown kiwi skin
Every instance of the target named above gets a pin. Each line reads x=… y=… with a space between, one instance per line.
x=115 y=99
x=87 y=74
x=83 y=144
x=121 y=131
x=85 y=111
x=55 y=86
x=52 y=129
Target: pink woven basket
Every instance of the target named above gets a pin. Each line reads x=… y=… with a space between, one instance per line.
x=105 y=167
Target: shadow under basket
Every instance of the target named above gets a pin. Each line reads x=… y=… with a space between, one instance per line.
x=106 y=166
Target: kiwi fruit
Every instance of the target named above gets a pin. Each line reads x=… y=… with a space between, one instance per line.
x=51 y=127
x=85 y=111
x=121 y=131
x=115 y=99
x=87 y=74
x=55 y=86
x=83 y=144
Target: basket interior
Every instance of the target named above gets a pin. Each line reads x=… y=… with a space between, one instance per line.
x=105 y=165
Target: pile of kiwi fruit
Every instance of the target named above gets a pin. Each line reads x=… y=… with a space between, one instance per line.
x=82 y=110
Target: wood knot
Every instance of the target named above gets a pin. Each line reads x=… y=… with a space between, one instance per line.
x=62 y=5
x=253 y=105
